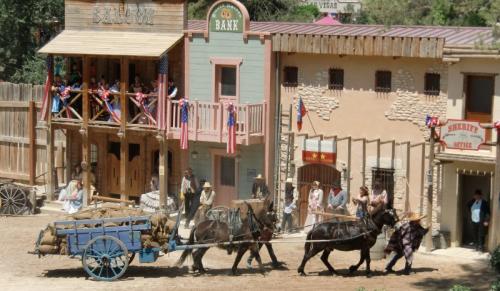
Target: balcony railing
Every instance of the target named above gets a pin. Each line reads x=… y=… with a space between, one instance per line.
x=207 y=121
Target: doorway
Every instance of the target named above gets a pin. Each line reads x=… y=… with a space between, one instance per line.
x=479 y=99
x=469 y=184
x=225 y=176
x=326 y=175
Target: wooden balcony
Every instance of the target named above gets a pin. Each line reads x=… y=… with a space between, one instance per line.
x=207 y=121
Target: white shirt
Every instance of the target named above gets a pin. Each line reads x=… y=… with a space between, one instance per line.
x=289 y=207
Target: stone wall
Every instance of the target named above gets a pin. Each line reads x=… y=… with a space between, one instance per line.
x=411 y=105
x=317 y=98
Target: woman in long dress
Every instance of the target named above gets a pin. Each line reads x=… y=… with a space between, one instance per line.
x=315 y=203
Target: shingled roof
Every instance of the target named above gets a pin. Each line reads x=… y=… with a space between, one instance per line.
x=454 y=36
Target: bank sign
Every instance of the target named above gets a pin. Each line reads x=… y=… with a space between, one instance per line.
x=463 y=135
x=226 y=18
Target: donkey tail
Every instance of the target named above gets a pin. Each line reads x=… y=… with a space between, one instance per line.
x=187 y=252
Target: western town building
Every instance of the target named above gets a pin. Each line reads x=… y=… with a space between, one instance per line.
x=367 y=90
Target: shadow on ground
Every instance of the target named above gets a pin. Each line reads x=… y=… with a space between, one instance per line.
x=478 y=277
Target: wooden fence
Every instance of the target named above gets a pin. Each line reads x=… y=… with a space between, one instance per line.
x=23 y=154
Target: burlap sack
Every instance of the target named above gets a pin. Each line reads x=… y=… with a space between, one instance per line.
x=48 y=239
x=48 y=250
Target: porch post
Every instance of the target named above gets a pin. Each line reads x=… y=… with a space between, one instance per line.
x=124 y=62
x=32 y=144
x=494 y=237
x=163 y=171
x=86 y=168
x=50 y=139
x=430 y=178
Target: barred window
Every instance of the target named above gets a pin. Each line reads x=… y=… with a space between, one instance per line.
x=383 y=81
x=432 y=84
x=336 y=79
x=291 y=77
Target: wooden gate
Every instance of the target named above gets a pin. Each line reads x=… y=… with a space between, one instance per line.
x=326 y=175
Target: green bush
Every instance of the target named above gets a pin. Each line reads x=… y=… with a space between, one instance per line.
x=495 y=259
x=495 y=286
x=460 y=288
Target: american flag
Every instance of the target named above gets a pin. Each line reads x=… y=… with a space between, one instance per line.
x=231 y=129
x=497 y=125
x=184 y=124
x=161 y=121
x=301 y=112
x=48 y=90
x=432 y=121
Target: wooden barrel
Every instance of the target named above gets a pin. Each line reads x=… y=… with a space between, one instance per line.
x=377 y=251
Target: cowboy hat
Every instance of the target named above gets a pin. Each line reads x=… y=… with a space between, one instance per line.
x=259 y=177
x=289 y=180
x=413 y=216
x=336 y=185
x=316 y=183
x=207 y=185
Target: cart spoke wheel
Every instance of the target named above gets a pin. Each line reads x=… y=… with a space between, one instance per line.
x=105 y=258
x=13 y=200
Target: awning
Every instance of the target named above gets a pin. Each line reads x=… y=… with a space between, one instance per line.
x=111 y=43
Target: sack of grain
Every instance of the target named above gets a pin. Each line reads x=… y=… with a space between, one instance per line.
x=48 y=250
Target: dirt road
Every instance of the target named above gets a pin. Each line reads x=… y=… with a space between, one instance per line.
x=22 y=271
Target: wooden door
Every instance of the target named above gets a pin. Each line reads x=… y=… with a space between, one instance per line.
x=326 y=175
x=136 y=185
x=479 y=100
x=113 y=167
x=225 y=180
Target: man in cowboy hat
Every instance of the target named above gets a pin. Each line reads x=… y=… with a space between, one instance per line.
x=206 y=201
x=259 y=188
x=406 y=240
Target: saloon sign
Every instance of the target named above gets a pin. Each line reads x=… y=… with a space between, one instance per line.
x=319 y=151
x=226 y=18
x=462 y=135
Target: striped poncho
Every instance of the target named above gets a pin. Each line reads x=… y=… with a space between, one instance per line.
x=406 y=239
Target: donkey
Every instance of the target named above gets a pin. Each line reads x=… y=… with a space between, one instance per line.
x=253 y=228
x=355 y=236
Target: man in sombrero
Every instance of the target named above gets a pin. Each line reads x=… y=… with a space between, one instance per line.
x=404 y=241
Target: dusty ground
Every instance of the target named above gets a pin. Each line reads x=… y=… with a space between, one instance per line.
x=22 y=271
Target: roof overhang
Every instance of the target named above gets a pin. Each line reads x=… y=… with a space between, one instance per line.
x=453 y=157
x=111 y=43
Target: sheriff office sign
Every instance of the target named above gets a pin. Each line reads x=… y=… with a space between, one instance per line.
x=463 y=135
x=226 y=18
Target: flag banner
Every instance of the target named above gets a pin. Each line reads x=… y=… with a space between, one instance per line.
x=301 y=112
x=184 y=124
x=161 y=117
x=231 y=129
x=104 y=95
x=320 y=151
x=432 y=121
x=44 y=115
x=497 y=125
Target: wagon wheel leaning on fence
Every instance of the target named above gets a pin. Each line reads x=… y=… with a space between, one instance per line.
x=13 y=200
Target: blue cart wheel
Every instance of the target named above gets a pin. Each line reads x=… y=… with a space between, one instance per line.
x=105 y=258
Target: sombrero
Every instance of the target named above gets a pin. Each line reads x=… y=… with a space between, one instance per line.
x=413 y=216
x=289 y=180
x=207 y=185
x=259 y=177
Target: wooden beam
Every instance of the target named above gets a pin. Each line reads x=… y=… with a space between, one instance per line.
x=163 y=172
x=50 y=143
x=32 y=142
x=86 y=168
x=494 y=237
x=124 y=152
x=364 y=161
x=349 y=162
x=408 y=168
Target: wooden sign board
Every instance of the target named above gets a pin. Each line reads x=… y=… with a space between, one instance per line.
x=463 y=134
x=127 y=15
x=226 y=17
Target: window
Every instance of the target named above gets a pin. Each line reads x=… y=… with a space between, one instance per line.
x=383 y=81
x=432 y=84
x=228 y=81
x=336 y=79
x=227 y=171
x=291 y=77
x=386 y=178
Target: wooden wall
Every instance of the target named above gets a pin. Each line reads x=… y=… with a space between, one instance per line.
x=167 y=16
x=14 y=133
x=423 y=47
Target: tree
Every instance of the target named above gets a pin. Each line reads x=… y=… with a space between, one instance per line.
x=262 y=10
x=25 y=26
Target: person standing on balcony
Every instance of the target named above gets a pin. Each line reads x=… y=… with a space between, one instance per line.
x=480 y=216
x=259 y=188
x=172 y=90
